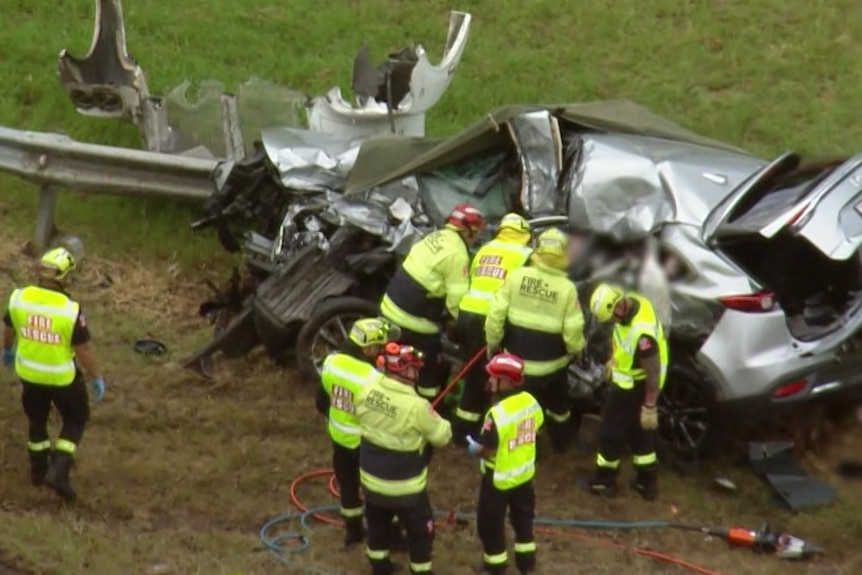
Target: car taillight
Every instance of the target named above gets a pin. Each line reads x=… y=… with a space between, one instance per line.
x=752 y=303
x=789 y=389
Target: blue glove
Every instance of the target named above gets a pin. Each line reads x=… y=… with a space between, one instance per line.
x=474 y=448
x=97 y=385
x=9 y=358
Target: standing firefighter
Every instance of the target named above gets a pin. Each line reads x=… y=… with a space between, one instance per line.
x=508 y=251
x=343 y=376
x=429 y=283
x=396 y=425
x=638 y=370
x=507 y=445
x=536 y=316
x=50 y=333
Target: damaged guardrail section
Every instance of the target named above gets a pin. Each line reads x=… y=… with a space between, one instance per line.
x=55 y=161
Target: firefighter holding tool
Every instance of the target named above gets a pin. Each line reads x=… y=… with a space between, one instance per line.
x=429 y=284
x=508 y=251
x=344 y=374
x=536 y=316
x=50 y=338
x=397 y=424
x=507 y=446
x=638 y=370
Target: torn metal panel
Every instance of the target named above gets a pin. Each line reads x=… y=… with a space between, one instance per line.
x=796 y=489
x=309 y=161
x=395 y=95
x=537 y=138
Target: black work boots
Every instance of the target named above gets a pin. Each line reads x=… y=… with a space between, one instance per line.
x=354 y=531
x=57 y=477
x=645 y=484
x=39 y=466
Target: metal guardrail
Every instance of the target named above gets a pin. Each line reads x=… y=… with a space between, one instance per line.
x=55 y=162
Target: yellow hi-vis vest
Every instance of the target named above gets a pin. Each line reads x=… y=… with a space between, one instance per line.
x=518 y=419
x=490 y=266
x=343 y=377
x=44 y=321
x=625 y=340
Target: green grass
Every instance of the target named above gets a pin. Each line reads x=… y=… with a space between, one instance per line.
x=175 y=474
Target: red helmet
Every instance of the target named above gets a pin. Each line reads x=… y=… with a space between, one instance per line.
x=397 y=358
x=466 y=217
x=506 y=366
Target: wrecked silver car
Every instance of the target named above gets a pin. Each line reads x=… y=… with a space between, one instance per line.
x=748 y=327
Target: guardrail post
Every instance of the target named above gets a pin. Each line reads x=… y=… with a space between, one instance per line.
x=45 y=224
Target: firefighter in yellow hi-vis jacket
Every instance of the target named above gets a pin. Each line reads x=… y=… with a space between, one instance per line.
x=344 y=374
x=428 y=286
x=536 y=316
x=507 y=445
x=508 y=251
x=397 y=424
x=638 y=371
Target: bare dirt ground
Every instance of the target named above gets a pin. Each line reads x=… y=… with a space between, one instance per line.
x=176 y=474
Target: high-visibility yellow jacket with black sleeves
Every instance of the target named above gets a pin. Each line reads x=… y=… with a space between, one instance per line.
x=510 y=429
x=432 y=280
x=342 y=377
x=644 y=322
x=396 y=426
x=536 y=315
x=47 y=325
x=488 y=270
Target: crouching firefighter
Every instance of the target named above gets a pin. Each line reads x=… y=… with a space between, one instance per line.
x=344 y=374
x=51 y=338
x=507 y=445
x=396 y=425
x=429 y=283
x=536 y=316
x=509 y=250
x=638 y=371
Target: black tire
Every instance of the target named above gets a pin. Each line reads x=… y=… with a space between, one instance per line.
x=687 y=413
x=326 y=330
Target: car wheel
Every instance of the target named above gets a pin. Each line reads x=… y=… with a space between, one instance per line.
x=687 y=412
x=326 y=330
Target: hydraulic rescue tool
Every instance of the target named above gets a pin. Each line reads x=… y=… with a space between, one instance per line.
x=783 y=545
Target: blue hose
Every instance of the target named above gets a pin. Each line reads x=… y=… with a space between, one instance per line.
x=285 y=543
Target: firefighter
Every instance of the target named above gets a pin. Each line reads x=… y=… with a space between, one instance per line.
x=509 y=250
x=638 y=368
x=344 y=373
x=430 y=282
x=51 y=340
x=507 y=446
x=536 y=316
x=397 y=424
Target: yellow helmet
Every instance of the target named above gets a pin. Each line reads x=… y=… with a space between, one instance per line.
x=57 y=263
x=373 y=331
x=603 y=301
x=515 y=222
x=552 y=242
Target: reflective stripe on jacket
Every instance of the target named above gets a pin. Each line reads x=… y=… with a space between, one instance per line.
x=44 y=321
x=625 y=338
x=396 y=425
x=536 y=315
x=342 y=377
x=489 y=269
x=518 y=419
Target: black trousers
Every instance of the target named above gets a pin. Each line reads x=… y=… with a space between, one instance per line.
x=474 y=400
x=417 y=520
x=434 y=372
x=552 y=393
x=620 y=428
x=491 y=524
x=73 y=403
x=345 y=463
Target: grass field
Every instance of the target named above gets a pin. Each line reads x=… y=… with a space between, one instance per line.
x=176 y=475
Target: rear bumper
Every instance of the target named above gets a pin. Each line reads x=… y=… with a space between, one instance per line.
x=760 y=408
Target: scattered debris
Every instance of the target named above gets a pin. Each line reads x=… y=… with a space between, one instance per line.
x=795 y=488
x=150 y=347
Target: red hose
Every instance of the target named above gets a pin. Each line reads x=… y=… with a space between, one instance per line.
x=648 y=553
x=464 y=369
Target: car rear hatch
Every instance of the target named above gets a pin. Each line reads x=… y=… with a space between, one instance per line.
x=796 y=230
